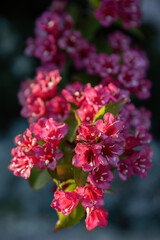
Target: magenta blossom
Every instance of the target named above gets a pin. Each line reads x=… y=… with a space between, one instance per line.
x=47 y=156
x=86 y=112
x=141 y=161
x=34 y=109
x=96 y=217
x=119 y=41
x=58 y=109
x=74 y=93
x=111 y=127
x=90 y=196
x=49 y=130
x=107 y=13
x=65 y=202
x=26 y=141
x=46 y=84
x=101 y=177
x=88 y=133
x=21 y=163
x=108 y=64
x=97 y=96
x=87 y=156
x=111 y=151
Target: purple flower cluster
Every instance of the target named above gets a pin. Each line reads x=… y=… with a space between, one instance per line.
x=127 y=11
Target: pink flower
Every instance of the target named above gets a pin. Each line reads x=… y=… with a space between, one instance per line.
x=46 y=84
x=143 y=89
x=101 y=177
x=111 y=127
x=118 y=94
x=145 y=117
x=134 y=117
x=21 y=163
x=49 y=130
x=91 y=64
x=91 y=196
x=25 y=91
x=119 y=41
x=34 y=109
x=96 y=217
x=83 y=51
x=140 y=137
x=26 y=141
x=125 y=169
x=86 y=112
x=88 y=133
x=47 y=156
x=66 y=22
x=111 y=150
x=136 y=60
x=107 y=13
x=141 y=161
x=58 y=109
x=129 y=12
x=108 y=64
x=87 y=156
x=74 y=93
x=128 y=77
x=69 y=41
x=47 y=23
x=45 y=48
x=64 y=202
x=97 y=96
x=138 y=162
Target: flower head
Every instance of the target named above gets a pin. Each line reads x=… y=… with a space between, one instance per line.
x=65 y=202
x=96 y=217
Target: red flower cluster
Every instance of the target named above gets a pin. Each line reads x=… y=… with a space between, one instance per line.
x=38 y=146
x=40 y=98
x=108 y=133
x=91 y=198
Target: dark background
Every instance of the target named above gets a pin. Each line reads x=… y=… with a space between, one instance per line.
x=135 y=208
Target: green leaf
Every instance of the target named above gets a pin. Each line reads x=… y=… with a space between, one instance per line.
x=68 y=221
x=78 y=118
x=41 y=142
x=95 y=3
x=72 y=185
x=73 y=109
x=69 y=181
x=73 y=106
x=39 y=178
x=57 y=182
x=80 y=176
x=113 y=108
x=73 y=126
